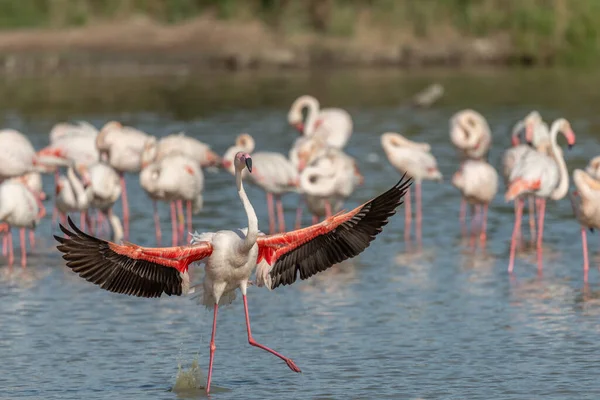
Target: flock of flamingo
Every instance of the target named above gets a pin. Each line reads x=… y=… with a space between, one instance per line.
x=317 y=168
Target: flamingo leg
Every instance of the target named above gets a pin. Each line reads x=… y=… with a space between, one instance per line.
x=189 y=216
x=418 y=211
x=299 y=213
x=252 y=342
x=212 y=348
x=474 y=223
x=315 y=220
x=5 y=244
x=174 y=223
x=407 y=216
x=88 y=221
x=180 y=218
x=82 y=220
x=23 y=247
x=327 y=209
x=280 y=216
x=63 y=218
x=516 y=230
x=54 y=209
x=483 y=233
x=32 y=238
x=271 y=213
x=532 y=218
x=11 y=255
x=156 y=223
x=462 y=216
x=586 y=265
x=541 y=211
x=125 y=207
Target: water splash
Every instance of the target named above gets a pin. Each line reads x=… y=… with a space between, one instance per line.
x=189 y=380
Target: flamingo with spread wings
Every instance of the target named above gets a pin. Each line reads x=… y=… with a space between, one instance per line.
x=230 y=256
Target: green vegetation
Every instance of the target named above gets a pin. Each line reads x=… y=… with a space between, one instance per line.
x=563 y=31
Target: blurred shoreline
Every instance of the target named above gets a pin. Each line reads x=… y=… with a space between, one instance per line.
x=143 y=46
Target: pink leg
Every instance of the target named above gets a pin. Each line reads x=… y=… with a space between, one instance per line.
x=516 y=230
x=23 y=247
x=327 y=209
x=63 y=218
x=174 y=223
x=280 y=216
x=483 y=234
x=531 y=217
x=5 y=244
x=252 y=342
x=271 y=213
x=32 y=238
x=11 y=255
x=180 y=219
x=212 y=348
x=299 y=213
x=315 y=220
x=418 y=211
x=474 y=222
x=462 y=216
x=541 y=206
x=156 y=223
x=586 y=265
x=189 y=216
x=407 y=216
x=82 y=220
x=125 y=208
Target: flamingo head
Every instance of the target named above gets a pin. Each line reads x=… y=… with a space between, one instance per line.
x=59 y=187
x=299 y=127
x=84 y=173
x=566 y=129
x=243 y=160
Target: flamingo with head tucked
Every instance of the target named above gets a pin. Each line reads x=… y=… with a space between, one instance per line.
x=122 y=147
x=17 y=156
x=416 y=160
x=544 y=176
x=586 y=207
x=230 y=257
x=179 y=144
x=333 y=125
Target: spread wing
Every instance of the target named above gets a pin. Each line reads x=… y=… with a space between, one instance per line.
x=129 y=268
x=314 y=249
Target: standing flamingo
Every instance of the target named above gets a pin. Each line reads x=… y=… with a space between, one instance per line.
x=416 y=160
x=230 y=257
x=478 y=182
x=71 y=193
x=175 y=179
x=103 y=192
x=33 y=181
x=472 y=137
x=586 y=207
x=19 y=209
x=544 y=176
x=273 y=173
x=179 y=144
x=593 y=167
x=66 y=129
x=17 y=156
x=334 y=125
x=122 y=147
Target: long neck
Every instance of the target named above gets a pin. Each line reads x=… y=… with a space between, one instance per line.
x=252 y=235
x=115 y=226
x=311 y=117
x=563 y=179
x=78 y=190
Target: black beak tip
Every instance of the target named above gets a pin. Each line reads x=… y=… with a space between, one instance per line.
x=570 y=146
x=530 y=143
x=249 y=164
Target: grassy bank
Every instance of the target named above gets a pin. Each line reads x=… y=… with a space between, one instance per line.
x=544 y=32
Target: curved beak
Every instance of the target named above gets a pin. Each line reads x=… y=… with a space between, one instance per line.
x=249 y=164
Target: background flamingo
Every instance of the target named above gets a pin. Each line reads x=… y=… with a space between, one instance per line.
x=478 y=182
x=122 y=147
x=179 y=144
x=544 y=176
x=71 y=193
x=230 y=256
x=416 y=160
x=334 y=125
x=103 y=192
x=17 y=156
x=586 y=207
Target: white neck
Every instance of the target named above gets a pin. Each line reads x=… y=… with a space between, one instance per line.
x=311 y=117
x=116 y=227
x=563 y=179
x=80 y=195
x=252 y=235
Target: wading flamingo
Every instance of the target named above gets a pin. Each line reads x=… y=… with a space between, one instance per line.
x=179 y=144
x=593 y=167
x=67 y=129
x=272 y=172
x=586 y=207
x=334 y=125
x=230 y=257
x=416 y=160
x=477 y=180
x=544 y=176
x=103 y=192
x=19 y=208
x=33 y=181
x=72 y=194
x=472 y=137
x=122 y=147
x=17 y=156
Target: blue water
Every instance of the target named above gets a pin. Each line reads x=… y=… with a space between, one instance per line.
x=445 y=322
